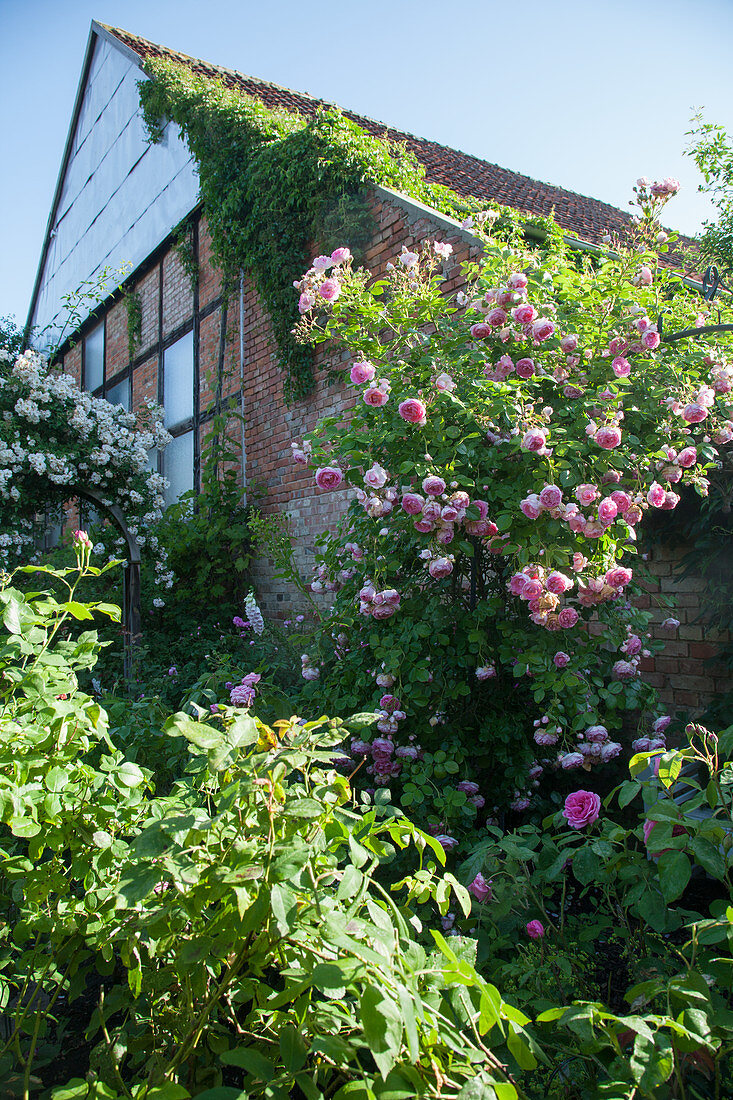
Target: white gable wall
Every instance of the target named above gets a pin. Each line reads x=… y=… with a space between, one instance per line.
x=119 y=197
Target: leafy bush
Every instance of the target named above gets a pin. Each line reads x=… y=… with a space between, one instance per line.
x=227 y=938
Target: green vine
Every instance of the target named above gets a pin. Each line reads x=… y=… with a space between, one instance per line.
x=184 y=249
x=273 y=183
x=134 y=309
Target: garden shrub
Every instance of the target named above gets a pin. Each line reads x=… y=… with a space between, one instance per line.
x=505 y=445
x=228 y=938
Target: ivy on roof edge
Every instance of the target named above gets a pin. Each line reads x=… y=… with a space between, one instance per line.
x=272 y=182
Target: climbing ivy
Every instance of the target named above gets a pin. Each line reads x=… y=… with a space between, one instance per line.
x=273 y=182
x=134 y=310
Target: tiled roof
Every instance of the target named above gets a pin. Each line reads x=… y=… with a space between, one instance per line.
x=583 y=217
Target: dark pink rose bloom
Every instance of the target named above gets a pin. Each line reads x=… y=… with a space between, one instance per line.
x=412 y=504
x=413 y=411
x=328 y=477
x=561 y=659
x=608 y=437
x=542 y=329
x=433 y=485
x=694 y=413
x=496 y=318
x=618 y=577
x=480 y=330
x=535 y=930
x=581 y=808
x=480 y=888
x=687 y=457
x=567 y=618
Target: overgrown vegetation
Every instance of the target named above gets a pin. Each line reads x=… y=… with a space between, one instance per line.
x=273 y=182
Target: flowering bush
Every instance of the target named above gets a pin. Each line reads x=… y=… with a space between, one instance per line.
x=56 y=438
x=504 y=447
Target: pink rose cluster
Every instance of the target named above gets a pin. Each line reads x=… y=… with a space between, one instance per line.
x=317 y=286
x=390 y=714
x=594 y=747
x=387 y=759
x=471 y=790
x=651 y=195
x=618 y=505
x=658 y=738
x=438 y=565
x=380 y=605
x=438 y=512
x=593 y=591
x=243 y=694
x=542 y=591
x=301 y=452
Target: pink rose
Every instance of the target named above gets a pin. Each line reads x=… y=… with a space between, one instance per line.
x=413 y=411
x=424 y=526
x=340 y=255
x=571 y=760
x=586 y=493
x=694 y=412
x=445 y=383
x=533 y=440
x=623 y=670
x=561 y=660
x=596 y=734
x=496 y=318
x=480 y=888
x=328 y=477
x=321 y=264
x=551 y=497
x=660 y=724
x=433 y=485
x=412 y=504
x=517 y=280
x=305 y=302
x=524 y=314
x=687 y=457
x=375 y=477
x=530 y=506
x=485 y=672
x=567 y=618
x=362 y=372
x=607 y=511
x=525 y=368
x=618 y=577
x=375 y=397
x=535 y=930
x=532 y=589
x=481 y=330
x=650 y=339
x=621 y=367
x=656 y=495
x=582 y=808
x=440 y=567
x=330 y=289
x=542 y=329
x=608 y=437
x=569 y=343
x=558 y=583
x=621 y=499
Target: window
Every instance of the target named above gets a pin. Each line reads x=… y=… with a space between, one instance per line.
x=119 y=394
x=178 y=403
x=94 y=358
x=178 y=382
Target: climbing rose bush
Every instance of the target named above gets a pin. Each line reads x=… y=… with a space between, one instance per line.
x=55 y=438
x=505 y=445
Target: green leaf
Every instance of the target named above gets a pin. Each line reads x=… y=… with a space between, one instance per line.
x=243 y=731
x=381 y=1020
x=199 y=734
x=674 y=874
x=293 y=1050
x=329 y=978
x=24 y=827
x=586 y=865
x=56 y=779
x=78 y=610
x=129 y=774
x=249 y=1059
x=709 y=857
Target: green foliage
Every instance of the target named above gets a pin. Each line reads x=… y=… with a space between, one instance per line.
x=712 y=151
x=134 y=311
x=272 y=183
x=183 y=248
x=229 y=936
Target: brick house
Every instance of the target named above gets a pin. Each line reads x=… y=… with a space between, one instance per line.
x=119 y=200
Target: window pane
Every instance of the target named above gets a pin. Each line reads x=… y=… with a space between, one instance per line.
x=119 y=394
x=94 y=359
x=178 y=381
x=178 y=466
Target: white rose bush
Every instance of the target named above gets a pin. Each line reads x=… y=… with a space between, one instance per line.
x=55 y=439
x=505 y=446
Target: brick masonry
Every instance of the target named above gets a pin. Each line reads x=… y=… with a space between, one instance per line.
x=682 y=676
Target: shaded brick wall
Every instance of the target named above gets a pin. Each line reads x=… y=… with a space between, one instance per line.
x=274 y=482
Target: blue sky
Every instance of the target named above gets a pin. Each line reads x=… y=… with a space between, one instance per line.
x=582 y=94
